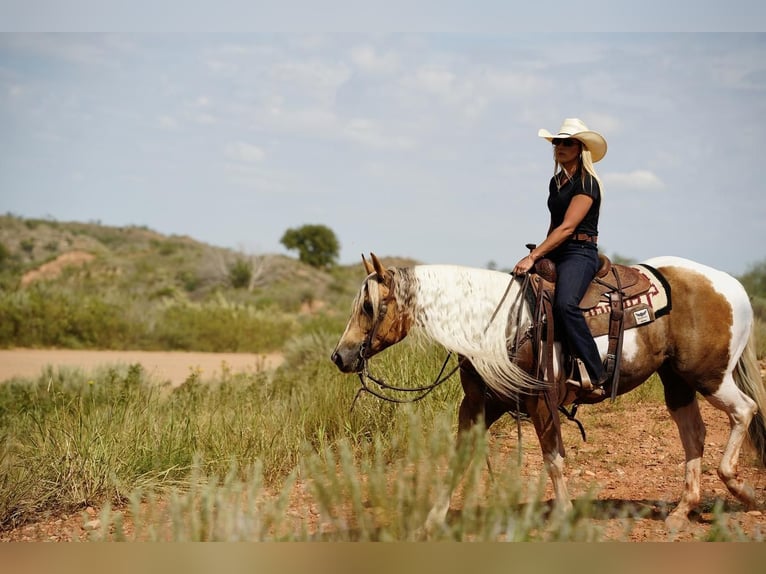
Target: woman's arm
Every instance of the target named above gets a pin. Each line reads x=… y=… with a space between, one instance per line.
x=576 y=212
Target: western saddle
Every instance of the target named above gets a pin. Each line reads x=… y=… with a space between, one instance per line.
x=603 y=306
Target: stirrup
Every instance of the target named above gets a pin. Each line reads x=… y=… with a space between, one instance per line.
x=584 y=382
x=586 y=392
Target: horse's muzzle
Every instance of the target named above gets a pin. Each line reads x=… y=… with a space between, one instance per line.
x=347 y=362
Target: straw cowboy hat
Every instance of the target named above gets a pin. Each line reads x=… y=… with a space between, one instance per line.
x=576 y=128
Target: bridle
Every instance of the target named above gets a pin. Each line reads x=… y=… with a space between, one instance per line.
x=365 y=377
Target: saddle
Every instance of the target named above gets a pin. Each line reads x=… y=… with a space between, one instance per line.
x=603 y=306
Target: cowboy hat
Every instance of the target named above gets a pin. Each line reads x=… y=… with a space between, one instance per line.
x=575 y=128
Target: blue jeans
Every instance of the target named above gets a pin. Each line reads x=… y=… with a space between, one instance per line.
x=576 y=266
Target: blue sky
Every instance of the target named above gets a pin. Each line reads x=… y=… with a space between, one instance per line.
x=411 y=144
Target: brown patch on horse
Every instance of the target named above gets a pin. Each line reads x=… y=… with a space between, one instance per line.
x=396 y=323
x=703 y=318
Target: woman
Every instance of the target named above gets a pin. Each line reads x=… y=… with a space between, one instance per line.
x=574 y=201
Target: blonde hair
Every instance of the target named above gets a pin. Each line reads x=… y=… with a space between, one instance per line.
x=586 y=161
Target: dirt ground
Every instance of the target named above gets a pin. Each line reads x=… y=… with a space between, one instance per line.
x=633 y=458
x=162 y=366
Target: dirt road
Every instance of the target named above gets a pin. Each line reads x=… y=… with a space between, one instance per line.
x=159 y=365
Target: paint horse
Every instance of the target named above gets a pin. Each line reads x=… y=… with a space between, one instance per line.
x=704 y=345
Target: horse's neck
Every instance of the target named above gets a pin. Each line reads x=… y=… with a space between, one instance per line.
x=462 y=308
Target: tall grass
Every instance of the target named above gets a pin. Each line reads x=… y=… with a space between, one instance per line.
x=226 y=459
x=71 y=438
x=356 y=496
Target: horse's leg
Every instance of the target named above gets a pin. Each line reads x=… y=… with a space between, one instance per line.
x=549 y=437
x=681 y=401
x=691 y=429
x=740 y=409
x=474 y=409
x=684 y=409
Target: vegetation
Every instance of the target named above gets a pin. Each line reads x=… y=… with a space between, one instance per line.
x=220 y=459
x=131 y=288
x=317 y=245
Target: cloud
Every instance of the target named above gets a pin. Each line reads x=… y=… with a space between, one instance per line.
x=244 y=153
x=316 y=77
x=369 y=133
x=639 y=180
x=167 y=122
x=516 y=84
x=435 y=80
x=205 y=119
x=368 y=60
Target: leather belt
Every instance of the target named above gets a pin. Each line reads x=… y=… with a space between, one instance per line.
x=584 y=237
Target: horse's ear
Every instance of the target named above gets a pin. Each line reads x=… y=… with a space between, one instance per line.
x=367 y=265
x=379 y=269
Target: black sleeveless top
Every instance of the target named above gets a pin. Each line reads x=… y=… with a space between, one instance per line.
x=559 y=200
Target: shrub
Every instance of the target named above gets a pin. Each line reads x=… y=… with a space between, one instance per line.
x=240 y=274
x=45 y=316
x=220 y=326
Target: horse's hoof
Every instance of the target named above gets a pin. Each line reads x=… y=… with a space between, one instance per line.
x=747 y=496
x=676 y=523
x=422 y=534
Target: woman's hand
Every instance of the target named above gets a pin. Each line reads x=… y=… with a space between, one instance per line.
x=524 y=265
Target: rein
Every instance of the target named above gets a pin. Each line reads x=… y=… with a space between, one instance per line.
x=424 y=391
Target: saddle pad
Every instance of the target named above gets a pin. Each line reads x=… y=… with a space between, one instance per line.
x=639 y=310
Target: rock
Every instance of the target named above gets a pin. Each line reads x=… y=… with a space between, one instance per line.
x=91 y=525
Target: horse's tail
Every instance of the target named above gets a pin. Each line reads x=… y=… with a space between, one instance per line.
x=747 y=375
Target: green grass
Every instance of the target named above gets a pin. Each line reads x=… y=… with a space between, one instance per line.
x=221 y=459
x=71 y=438
x=201 y=462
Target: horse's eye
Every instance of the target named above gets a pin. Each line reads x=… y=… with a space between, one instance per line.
x=367 y=308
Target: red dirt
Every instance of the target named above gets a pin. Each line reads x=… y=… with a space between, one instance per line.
x=633 y=457
x=54 y=268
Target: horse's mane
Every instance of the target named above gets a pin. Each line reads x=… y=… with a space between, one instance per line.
x=471 y=312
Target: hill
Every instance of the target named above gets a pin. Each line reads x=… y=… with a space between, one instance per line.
x=87 y=285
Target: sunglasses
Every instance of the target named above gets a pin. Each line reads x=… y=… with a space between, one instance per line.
x=566 y=142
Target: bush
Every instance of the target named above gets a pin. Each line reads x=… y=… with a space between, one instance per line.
x=240 y=274
x=220 y=326
x=50 y=317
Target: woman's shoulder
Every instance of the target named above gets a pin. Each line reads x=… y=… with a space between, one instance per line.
x=589 y=181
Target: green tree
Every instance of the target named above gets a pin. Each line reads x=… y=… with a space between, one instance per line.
x=317 y=245
x=754 y=280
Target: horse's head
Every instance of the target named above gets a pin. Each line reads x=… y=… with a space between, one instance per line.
x=377 y=319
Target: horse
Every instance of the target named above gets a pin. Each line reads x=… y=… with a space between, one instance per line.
x=705 y=345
